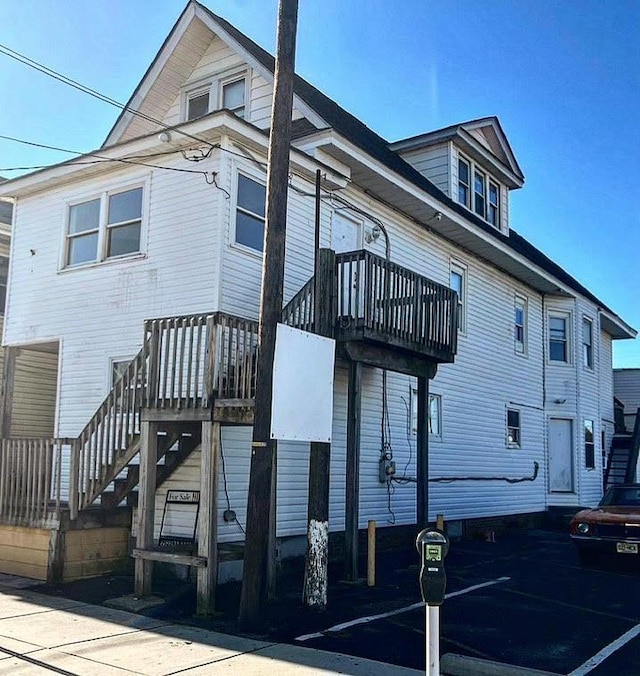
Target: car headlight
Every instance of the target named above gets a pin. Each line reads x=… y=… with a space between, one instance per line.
x=583 y=528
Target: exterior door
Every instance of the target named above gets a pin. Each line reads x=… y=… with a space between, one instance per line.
x=346 y=236
x=345 y=233
x=561 y=478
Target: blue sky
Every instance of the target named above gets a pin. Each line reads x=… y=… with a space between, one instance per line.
x=563 y=76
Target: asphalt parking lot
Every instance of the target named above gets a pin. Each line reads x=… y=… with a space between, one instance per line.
x=524 y=600
x=538 y=608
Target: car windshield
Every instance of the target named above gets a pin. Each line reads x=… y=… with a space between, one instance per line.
x=623 y=496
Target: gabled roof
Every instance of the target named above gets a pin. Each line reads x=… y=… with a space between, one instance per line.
x=476 y=137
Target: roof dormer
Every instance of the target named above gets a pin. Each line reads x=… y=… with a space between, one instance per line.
x=471 y=162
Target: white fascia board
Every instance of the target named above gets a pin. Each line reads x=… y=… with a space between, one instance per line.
x=150 y=78
x=264 y=72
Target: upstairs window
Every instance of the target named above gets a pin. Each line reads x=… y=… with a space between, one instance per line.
x=108 y=226
x=520 y=325
x=250 y=213
x=458 y=282
x=484 y=200
x=558 y=338
x=225 y=92
x=587 y=343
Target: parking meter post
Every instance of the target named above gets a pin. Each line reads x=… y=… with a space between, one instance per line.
x=432 y=545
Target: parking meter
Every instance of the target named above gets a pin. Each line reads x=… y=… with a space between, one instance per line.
x=433 y=546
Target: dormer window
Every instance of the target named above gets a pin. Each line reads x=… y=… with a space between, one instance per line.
x=484 y=199
x=228 y=92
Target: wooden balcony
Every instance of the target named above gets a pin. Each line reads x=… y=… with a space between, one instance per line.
x=380 y=306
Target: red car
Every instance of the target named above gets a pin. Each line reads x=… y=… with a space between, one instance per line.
x=611 y=528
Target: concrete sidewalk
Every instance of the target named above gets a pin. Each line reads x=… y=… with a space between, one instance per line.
x=41 y=634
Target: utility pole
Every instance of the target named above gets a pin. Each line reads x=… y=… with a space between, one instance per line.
x=262 y=498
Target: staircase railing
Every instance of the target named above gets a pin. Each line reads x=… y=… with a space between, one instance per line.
x=299 y=312
x=631 y=472
x=31 y=479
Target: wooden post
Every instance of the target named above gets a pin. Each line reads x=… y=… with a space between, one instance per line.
x=316 y=564
x=422 y=452
x=352 y=497
x=261 y=497
x=8 y=378
x=208 y=519
x=371 y=553
x=146 y=505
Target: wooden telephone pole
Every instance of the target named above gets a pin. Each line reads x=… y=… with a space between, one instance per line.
x=261 y=500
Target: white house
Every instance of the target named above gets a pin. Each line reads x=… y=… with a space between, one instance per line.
x=168 y=223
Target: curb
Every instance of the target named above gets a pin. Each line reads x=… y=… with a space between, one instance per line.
x=452 y=664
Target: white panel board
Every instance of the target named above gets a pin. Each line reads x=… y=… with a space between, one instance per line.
x=302 y=386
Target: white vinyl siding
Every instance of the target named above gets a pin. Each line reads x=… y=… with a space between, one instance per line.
x=432 y=162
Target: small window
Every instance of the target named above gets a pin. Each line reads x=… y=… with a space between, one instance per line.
x=558 y=341
x=589 y=445
x=513 y=428
x=520 y=325
x=587 y=343
x=250 y=213
x=493 y=207
x=95 y=233
x=463 y=182
x=434 y=413
x=479 y=193
x=457 y=282
x=197 y=104
x=4 y=272
x=233 y=96
x=118 y=368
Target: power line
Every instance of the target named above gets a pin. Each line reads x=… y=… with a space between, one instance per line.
x=50 y=72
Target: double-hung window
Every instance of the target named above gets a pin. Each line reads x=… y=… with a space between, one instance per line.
x=108 y=226
x=589 y=445
x=587 y=343
x=520 y=325
x=458 y=282
x=250 y=213
x=558 y=338
x=224 y=92
x=493 y=205
x=479 y=193
x=513 y=428
x=464 y=173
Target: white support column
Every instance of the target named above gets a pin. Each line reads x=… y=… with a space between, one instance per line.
x=208 y=519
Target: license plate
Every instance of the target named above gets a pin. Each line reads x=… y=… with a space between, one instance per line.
x=626 y=548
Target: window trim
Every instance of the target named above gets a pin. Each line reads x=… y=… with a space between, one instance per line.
x=559 y=314
x=103 y=227
x=256 y=178
x=521 y=302
x=589 y=446
x=214 y=85
x=587 y=349
x=488 y=181
x=414 y=413
x=517 y=443
x=459 y=268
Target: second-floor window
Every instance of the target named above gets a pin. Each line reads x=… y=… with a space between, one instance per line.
x=587 y=343
x=4 y=273
x=108 y=226
x=457 y=282
x=250 y=213
x=520 y=325
x=558 y=338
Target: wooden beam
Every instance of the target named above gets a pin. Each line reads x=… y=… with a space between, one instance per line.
x=8 y=379
x=208 y=520
x=422 y=452
x=390 y=359
x=352 y=496
x=146 y=505
x=316 y=564
x=261 y=497
x=199 y=562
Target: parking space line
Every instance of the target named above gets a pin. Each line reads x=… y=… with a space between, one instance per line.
x=406 y=609
x=607 y=651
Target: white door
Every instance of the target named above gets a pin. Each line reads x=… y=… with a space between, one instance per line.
x=560 y=456
x=345 y=233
